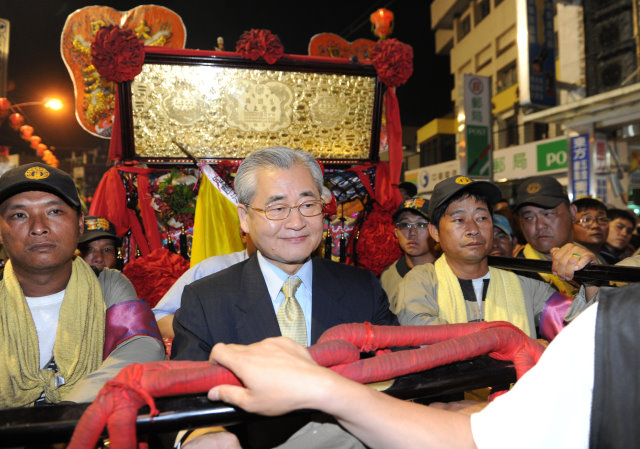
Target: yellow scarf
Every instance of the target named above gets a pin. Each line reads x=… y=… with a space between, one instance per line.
x=79 y=339
x=505 y=300
x=564 y=287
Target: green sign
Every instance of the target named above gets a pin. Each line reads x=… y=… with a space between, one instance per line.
x=478 y=150
x=552 y=155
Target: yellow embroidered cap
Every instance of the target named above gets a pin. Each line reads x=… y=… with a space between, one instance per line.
x=446 y=189
x=98 y=228
x=541 y=191
x=40 y=177
x=417 y=205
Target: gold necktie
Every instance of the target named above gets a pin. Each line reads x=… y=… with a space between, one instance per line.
x=290 y=316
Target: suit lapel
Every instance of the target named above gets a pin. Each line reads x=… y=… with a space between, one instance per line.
x=255 y=318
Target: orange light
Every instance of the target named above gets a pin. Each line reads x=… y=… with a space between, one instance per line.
x=53 y=103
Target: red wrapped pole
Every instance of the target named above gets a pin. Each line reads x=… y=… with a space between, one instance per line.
x=339 y=349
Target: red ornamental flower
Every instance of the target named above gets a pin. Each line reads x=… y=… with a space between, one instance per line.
x=117 y=54
x=393 y=60
x=155 y=273
x=254 y=44
x=377 y=248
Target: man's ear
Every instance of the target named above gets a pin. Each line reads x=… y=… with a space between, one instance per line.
x=573 y=210
x=243 y=215
x=433 y=231
x=395 y=233
x=80 y=224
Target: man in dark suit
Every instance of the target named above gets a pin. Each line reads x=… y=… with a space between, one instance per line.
x=280 y=205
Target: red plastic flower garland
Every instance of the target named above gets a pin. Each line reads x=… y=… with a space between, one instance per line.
x=393 y=60
x=117 y=54
x=254 y=44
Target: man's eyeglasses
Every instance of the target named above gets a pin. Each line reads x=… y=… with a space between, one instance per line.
x=276 y=212
x=587 y=220
x=406 y=227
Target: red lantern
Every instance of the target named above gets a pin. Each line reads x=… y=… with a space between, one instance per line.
x=41 y=149
x=4 y=106
x=16 y=120
x=382 y=23
x=26 y=131
x=35 y=141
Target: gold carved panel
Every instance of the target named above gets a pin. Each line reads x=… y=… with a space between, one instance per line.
x=229 y=112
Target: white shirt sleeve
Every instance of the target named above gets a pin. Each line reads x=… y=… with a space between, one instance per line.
x=550 y=406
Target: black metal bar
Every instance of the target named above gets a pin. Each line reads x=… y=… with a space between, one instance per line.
x=55 y=424
x=590 y=273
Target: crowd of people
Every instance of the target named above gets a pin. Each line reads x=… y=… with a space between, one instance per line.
x=71 y=320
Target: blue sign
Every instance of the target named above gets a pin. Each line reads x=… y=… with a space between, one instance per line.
x=580 y=166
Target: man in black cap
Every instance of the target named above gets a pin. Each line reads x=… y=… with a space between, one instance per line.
x=98 y=243
x=461 y=287
x=411 y=220
x=546 y=219
x=65 y=328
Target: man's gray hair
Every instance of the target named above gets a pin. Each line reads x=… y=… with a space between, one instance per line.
x=278 y=157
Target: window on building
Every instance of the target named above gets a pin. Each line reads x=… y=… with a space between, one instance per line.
x=482 y=10
x=464 y=27
x=507 y=77
x=540 y=131
x=440 y=148
x=511 y=131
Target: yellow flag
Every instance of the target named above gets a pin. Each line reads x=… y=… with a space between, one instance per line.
x=216 y=228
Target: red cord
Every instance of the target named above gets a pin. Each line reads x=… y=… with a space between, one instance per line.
x=338 y=348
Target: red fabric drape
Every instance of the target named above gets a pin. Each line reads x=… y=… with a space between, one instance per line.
x=110 y=202
x=394 y=131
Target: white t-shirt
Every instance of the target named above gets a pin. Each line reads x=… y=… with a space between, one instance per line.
x=45 y=311
x=550 y=406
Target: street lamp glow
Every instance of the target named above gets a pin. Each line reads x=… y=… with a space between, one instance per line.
x=53 y=103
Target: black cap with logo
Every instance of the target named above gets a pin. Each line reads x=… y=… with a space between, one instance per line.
x=446 y=189
x=417 y=205
x=98 y=228
x=541 y=191
x=41 y=177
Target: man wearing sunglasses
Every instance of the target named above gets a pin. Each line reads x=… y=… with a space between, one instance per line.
x=411 y=219
x=282 y=290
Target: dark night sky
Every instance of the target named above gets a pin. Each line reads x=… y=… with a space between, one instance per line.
x=36 y=69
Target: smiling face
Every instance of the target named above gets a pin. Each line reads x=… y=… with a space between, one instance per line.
x=546 y=228
x=40 y=232
x=465 y=233
x=287 y=243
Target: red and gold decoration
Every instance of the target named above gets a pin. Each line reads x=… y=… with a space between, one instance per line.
x=116 y=54
x=382 y=23
x=329 y=45
x=255 y=44
x=393 y=61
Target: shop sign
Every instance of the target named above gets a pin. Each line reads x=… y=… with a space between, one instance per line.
x=542 y=157
x=477 y=109
x=580 y=167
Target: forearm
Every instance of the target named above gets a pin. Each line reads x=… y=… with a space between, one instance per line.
x=138 y=349
x=381 y=421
